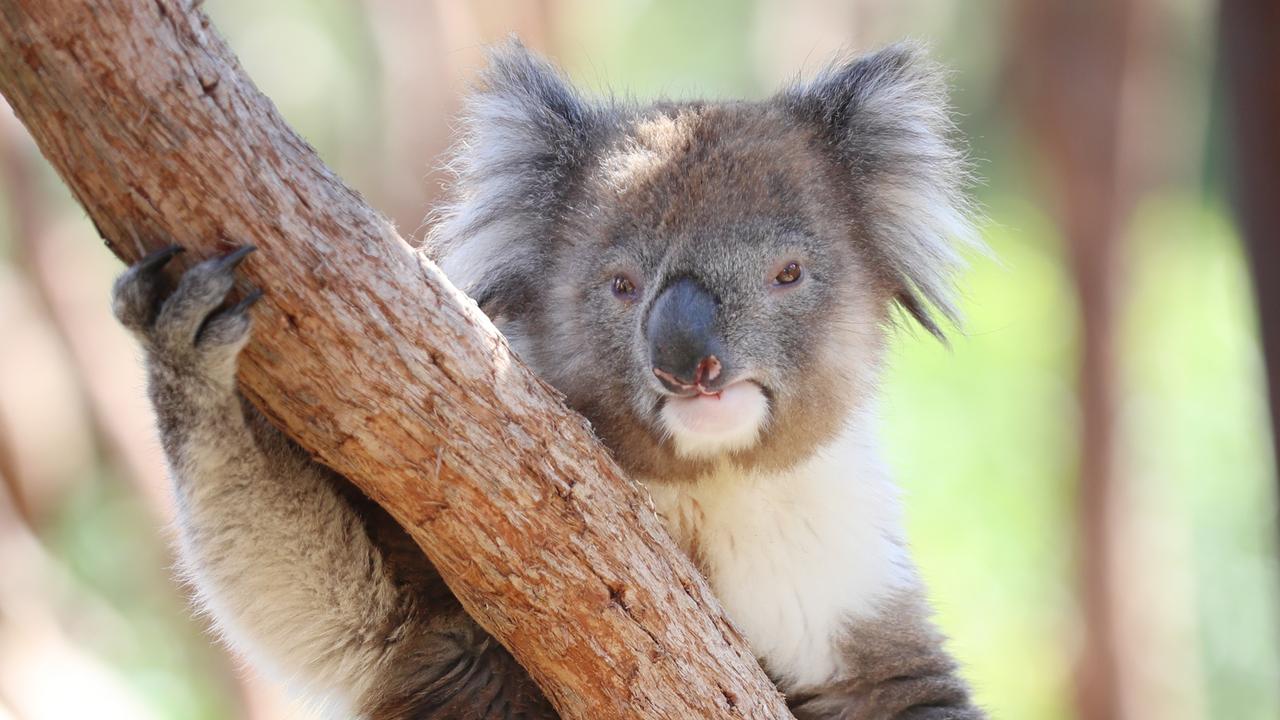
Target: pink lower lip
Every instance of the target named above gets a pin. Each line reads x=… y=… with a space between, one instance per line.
x=716 y=412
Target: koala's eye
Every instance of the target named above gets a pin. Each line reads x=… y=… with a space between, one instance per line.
x=790 y=273
x=624 y=288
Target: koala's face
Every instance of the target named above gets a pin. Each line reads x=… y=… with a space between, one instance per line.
x=708 y=301
x=706 y=282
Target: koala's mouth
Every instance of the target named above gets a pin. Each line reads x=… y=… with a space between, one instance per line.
x=705 y=424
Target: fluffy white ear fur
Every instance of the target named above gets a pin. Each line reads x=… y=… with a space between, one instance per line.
x=524 y=129
x=888 y=117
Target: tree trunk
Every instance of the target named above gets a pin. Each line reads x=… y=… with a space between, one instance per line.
x=1072 y=60
x=367 y=356
x=1249 y=57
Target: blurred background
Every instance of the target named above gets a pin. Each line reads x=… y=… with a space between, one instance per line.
x=1089 y=472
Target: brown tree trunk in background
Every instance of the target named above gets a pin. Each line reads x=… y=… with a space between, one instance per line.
x=367 y=356
x=419 y=88
x=1069 y=66
x=9 y=480
x=429 y=51
x=1249 y=51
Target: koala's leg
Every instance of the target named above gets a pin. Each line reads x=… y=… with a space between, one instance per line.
x=896 y=668
x=300 y=572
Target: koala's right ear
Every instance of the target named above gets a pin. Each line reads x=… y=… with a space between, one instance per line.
x=524 y=132
x=886 y=119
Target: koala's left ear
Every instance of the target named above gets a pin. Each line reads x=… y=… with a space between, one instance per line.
x=886 y=118
x=524 y=131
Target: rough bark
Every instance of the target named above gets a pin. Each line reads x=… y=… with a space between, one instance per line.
x=369 y=358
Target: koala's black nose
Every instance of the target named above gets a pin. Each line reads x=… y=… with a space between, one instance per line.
x=684 y=349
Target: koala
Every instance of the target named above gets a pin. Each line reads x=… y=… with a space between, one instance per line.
x=713 y=285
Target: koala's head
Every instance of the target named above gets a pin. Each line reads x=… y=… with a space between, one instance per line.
x=708 y=281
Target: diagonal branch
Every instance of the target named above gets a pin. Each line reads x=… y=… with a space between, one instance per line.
x=368 y=357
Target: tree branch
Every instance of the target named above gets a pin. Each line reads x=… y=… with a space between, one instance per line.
x=368 y=357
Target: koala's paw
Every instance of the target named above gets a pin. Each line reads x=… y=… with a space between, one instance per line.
x=189 y=331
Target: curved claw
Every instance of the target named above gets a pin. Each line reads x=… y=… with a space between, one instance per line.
x=157 y=259
x=254 y=296
x=235 y=257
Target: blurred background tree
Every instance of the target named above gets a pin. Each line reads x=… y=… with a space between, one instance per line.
x=1089 y=477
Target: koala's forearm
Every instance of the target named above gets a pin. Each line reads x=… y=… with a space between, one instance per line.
x=277 y=549
x=267 y=541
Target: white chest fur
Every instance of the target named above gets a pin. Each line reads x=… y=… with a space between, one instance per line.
x=794 y=556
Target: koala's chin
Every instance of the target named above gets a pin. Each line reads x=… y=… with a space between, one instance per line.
x=707 y=425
